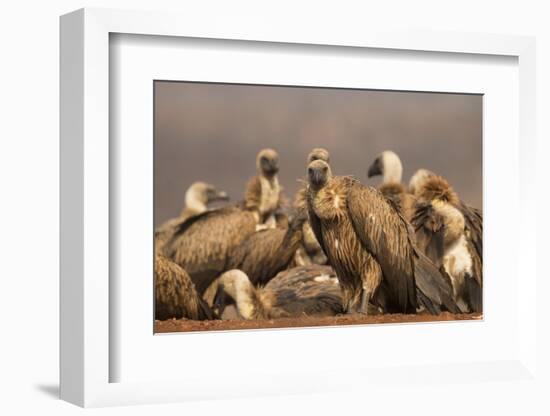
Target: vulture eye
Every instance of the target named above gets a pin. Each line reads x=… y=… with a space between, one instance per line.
x=324 y=168
x=310 y=170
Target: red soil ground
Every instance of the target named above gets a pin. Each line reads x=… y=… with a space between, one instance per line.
x=185 y=325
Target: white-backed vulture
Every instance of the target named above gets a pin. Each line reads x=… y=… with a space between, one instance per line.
x=301 y=291
x=197 y=198
x=263 y=192
x=265 y=253
x=310 y=251
x=473 y=217
x=371 y=247
x=202 y=244
x=175 y=294
x=389 y=165
x=450 y=233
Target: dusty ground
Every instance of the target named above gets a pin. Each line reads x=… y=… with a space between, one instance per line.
x=184 y=325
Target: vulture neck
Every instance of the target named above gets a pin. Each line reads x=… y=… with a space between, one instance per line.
x=393 y=170
x=271 y=179
x=330 y=201
x=237 y=285
x=193 y=202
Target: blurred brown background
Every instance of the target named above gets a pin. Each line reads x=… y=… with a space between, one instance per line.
x=212 y=133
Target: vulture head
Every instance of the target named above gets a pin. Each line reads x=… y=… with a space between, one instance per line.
x=388 y=165
x=236 y=284
x=418 y=180
x=318 y=154
x=267 y=162
x=318 y=173
x=437 y=188
x=200 y=194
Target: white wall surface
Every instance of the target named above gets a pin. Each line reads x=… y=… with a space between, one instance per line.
x=29 y=116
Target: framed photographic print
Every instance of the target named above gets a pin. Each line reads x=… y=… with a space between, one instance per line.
x=265 y=255
x=311 y=199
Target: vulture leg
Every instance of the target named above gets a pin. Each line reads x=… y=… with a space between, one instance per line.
x=348 y=300
x=365 y=297
x=371 y=278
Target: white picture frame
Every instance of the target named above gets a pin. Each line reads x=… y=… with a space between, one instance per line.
x=86 y=356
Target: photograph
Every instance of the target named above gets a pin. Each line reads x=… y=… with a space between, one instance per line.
x=299 y=206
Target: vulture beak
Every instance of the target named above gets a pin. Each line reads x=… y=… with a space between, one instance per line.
x=219 y=303
x=222 y=196
x=375 y=169
x=270 y=166
x=317 y=175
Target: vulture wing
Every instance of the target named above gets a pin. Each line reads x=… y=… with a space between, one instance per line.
x=309 y=290
x=474 y=231
x=385 y=234
x=315 y=224
x=473 y=218
x=411 y=275
x=175 y=294
x=429 y=228
x=202 y=243
x=433 y=286
x=261 y=256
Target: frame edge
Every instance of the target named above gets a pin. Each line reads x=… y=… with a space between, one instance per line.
x=71 y=221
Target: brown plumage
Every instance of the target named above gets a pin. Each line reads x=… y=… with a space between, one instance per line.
x=370 y=245
x=450 y=233
x=265 y=253
x=175 y=294
x=202 y=243
x=263 y=192
x=403 y=201
x=437 y=188
x=473 y=217
x=301 y=291
x=310 y=251
x=197 y=198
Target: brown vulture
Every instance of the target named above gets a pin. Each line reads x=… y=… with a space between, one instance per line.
x=450 y=233
x=301 y=291
x=175 y=294
x=202 y=244
x=371 y=247
x=265 y=253
x=263 y=193
x=310 y=251
x=197 y=198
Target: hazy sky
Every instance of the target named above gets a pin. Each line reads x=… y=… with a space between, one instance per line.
x=212 y=133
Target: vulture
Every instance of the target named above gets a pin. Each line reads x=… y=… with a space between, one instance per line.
x=450 y=234
x=175 y=294
x=389 y=166
x=424 y=188
x=310 y=251
x=300 y=291
x=265 y=253
x=197 y=198
x=263 y=192
x=202 y=244
x=371 y=247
